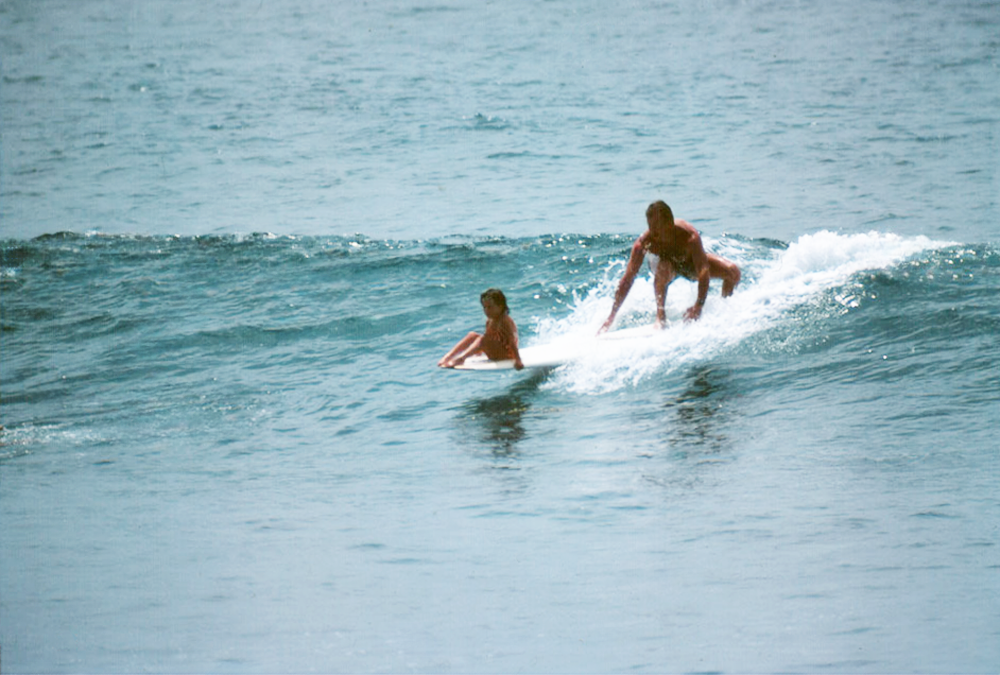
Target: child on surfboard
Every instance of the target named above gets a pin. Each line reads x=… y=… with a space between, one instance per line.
x=499 y=339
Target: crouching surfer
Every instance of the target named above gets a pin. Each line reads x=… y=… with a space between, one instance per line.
x=675 y=248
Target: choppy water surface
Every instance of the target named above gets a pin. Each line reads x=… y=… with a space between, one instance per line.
x=237 y=237
x=399 y=119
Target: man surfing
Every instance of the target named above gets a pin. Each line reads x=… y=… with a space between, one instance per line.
x=675 y=248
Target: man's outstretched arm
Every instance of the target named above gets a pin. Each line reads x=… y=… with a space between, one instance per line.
x=625 y=285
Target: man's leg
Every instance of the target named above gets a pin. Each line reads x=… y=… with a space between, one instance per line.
x=720 y=268
x=662 y=278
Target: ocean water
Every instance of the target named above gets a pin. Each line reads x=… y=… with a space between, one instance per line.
x=235 y=238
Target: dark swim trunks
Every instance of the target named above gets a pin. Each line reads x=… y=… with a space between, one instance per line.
x=682 y=266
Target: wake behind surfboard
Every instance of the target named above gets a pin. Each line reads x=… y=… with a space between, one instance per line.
x=557 y=353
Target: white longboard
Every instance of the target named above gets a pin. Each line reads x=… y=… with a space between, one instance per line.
x=557 y=353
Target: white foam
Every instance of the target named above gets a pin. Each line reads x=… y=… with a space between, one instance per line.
x=770 y=288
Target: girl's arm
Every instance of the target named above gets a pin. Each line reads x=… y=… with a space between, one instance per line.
x=510 y=330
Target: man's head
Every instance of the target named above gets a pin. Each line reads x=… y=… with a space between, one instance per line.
x=659 y=216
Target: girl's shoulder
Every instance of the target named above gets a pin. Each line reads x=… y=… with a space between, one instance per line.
x=503 y=324
x=508 y=323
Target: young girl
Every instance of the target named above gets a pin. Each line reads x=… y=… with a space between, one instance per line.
x=498 y=341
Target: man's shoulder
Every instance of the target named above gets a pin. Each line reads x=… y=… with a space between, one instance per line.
x=691 y=230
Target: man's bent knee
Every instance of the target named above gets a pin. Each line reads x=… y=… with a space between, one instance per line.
x=732 y=279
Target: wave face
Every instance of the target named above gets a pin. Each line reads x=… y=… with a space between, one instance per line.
x=182 y=303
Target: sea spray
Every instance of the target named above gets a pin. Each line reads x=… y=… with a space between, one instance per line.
x=771 y=289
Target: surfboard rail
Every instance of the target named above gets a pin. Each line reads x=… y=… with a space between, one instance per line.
x=558 y=353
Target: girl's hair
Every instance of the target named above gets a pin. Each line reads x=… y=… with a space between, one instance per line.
x=497 y=296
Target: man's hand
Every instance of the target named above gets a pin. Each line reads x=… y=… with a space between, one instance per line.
x=607 y=324
x=693 y=313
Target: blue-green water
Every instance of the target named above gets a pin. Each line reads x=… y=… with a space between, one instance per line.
x=236 y=242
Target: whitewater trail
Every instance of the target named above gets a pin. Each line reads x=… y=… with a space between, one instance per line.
x=770 y=290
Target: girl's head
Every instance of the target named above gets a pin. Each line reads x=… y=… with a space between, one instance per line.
x=496 y=296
